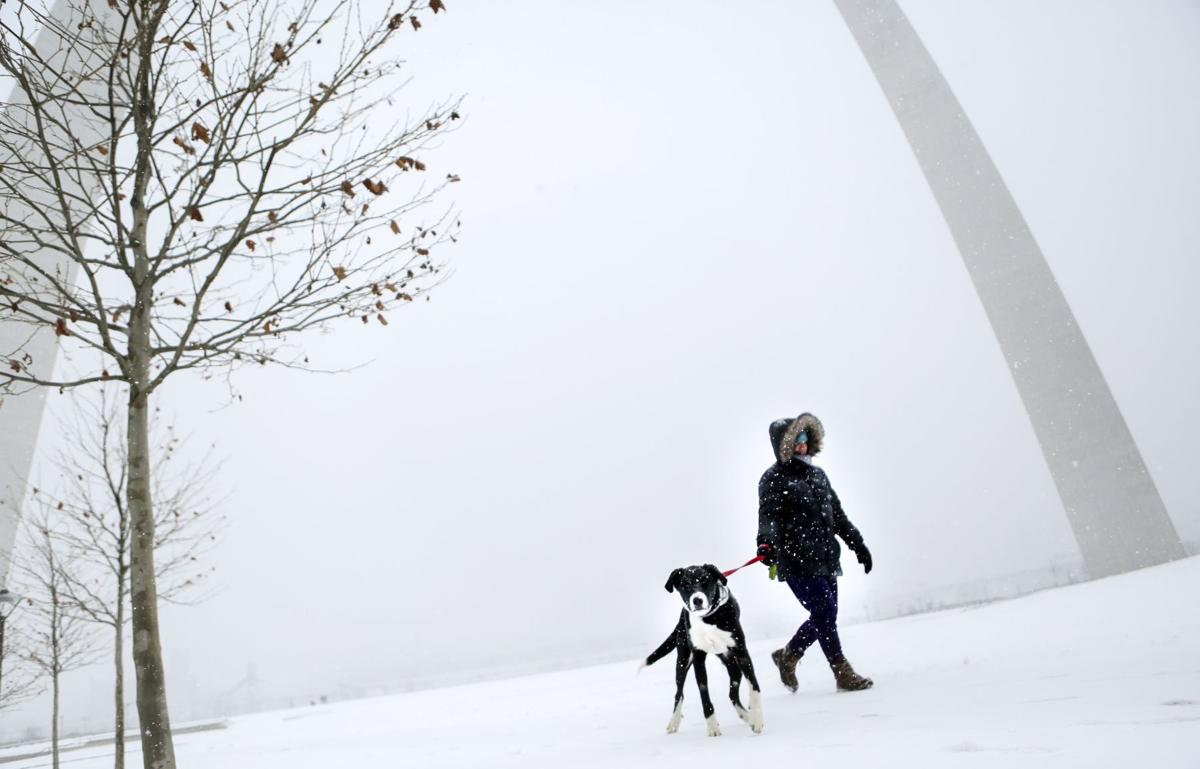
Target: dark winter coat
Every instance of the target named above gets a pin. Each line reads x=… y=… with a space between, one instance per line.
x=799 y=513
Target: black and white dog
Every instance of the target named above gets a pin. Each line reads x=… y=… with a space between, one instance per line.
x=709 y=624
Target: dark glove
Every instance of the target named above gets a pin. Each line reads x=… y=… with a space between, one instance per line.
x=766 y=553
x=864 y=557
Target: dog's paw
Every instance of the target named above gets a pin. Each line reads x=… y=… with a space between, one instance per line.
x=756 y=713
x=641 y=666
x=673 y=724
x=742 y=714
x=714 y=729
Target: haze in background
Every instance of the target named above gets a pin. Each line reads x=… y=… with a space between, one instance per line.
x=682 y=222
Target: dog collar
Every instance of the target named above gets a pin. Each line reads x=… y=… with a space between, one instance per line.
x=721 y=600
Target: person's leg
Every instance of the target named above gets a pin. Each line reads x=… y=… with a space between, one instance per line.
x=824 y=611
x=819 y=596
x=786 y=659
x=827 y=633
x=806 y=634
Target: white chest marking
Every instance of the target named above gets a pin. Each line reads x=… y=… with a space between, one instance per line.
x=709 y=638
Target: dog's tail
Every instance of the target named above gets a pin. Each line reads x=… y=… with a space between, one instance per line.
x=663 y=650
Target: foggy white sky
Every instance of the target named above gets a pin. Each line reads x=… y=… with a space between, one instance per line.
x=682 y=221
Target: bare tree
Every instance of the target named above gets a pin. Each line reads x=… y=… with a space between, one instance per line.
x=19 y=678
x=220 y=177
x=89 y=494
x=60 y=639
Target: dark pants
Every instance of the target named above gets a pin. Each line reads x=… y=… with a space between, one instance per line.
x=819 y=596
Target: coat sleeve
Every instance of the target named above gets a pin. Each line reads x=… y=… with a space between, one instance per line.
x=770 y=509
x=842 y=526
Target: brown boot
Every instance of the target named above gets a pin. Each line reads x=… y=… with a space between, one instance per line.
x=847 y=679
x=785 y=659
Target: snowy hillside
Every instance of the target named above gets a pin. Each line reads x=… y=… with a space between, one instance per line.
x=1105 y=674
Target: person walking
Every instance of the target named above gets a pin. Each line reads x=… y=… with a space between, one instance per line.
x=799 y=520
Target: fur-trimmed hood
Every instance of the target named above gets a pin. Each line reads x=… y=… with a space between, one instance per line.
x=784 y=431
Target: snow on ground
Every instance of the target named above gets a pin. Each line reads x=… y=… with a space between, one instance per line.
x=1104 y=674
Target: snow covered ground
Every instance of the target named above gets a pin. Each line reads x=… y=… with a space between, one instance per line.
x=1105 y=674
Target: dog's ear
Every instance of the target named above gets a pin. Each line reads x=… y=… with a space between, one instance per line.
x=673 y=580
x=717 y=573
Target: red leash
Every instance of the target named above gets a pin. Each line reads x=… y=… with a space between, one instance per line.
x=755 y=559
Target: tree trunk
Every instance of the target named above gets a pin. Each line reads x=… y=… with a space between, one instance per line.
x=54 y=722
x=1 y=661
x=119 y=679
x=158 y=750
x=55 y=670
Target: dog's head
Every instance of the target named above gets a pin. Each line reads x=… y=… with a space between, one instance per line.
x=699 y=587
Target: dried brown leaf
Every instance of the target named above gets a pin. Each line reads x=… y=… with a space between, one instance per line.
x=195 y=214
x=340 y=272
x=200 y=133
